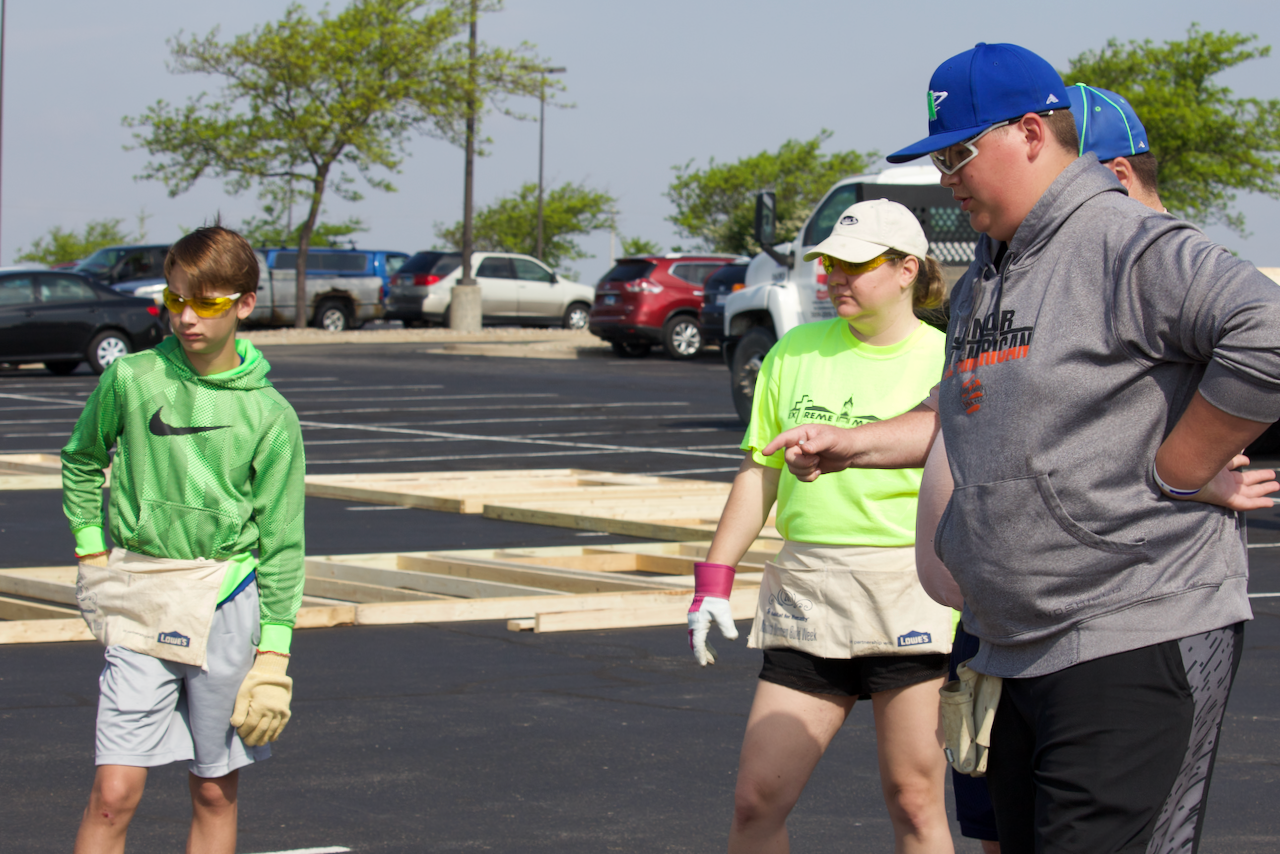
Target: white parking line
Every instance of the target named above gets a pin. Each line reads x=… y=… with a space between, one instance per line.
x=43 y=399
x=25 y=421
x=500 y=407
x=520 y=440
x=337 y=849
x=357 y=387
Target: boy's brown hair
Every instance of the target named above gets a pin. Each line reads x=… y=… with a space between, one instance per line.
x=216 y=260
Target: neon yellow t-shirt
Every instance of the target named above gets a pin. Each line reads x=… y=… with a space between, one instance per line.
x=821 y=373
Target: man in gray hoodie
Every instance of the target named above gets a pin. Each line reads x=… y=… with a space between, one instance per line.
x=1105 y=364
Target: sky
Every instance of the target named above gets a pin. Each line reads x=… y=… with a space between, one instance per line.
x=653 y=84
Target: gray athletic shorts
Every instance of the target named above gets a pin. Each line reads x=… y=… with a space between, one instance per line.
x=152 y=712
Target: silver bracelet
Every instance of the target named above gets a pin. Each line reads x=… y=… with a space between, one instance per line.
x=1169 y=490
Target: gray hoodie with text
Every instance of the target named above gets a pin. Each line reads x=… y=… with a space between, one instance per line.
x=1067 y=366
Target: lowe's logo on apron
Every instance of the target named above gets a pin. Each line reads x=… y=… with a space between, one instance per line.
x=179 y=639
x=915 y=639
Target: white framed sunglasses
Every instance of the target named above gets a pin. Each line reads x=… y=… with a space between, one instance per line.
x=950 y=159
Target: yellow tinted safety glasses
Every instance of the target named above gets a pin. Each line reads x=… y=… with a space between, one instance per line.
x=849 y=268
x=202 y=306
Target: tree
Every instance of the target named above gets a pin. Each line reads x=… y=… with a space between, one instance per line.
x=305 y=102
x=268 y=230
x=1208 y=144
x=61 y=245
x=511 y=223
x=716 y=205
x=639 y=246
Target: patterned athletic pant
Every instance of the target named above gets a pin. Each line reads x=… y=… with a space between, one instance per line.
x=1112 y=755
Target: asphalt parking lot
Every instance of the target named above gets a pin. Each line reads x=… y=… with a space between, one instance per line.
x=467 y=736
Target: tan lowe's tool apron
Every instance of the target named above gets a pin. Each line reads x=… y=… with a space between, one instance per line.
x=157 y=606
x=847 y=602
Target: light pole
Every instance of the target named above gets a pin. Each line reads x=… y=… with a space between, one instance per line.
x=542 y=138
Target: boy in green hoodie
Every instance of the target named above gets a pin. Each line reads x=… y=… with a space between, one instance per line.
x=208 y=466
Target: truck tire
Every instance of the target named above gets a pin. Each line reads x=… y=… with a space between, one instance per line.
x=682 y=337
x=333 y=315
x=748 y=356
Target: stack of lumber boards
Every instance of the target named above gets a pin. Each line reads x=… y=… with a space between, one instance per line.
x=30 y=471
x=568 y=588
x=659 y=508
x=634 y=505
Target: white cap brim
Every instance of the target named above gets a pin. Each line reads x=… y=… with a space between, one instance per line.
x=849 y=249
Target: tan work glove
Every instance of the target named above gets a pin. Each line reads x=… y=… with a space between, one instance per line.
x=97 y=559
x=262 y=703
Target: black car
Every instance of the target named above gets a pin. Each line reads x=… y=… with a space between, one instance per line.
x=63 y=319
x=715 y=290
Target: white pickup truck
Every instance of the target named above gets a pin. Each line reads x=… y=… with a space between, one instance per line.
x=782 y=291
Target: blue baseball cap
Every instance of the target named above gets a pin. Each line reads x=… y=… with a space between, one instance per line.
x=1107 y=125
x=980 y=87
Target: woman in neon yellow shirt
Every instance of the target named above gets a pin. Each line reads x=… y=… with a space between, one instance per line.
x=841 y=615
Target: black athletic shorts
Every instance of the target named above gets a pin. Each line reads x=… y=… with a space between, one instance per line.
x=849 y=677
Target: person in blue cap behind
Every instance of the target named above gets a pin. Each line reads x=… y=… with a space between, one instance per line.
x=1109 y=127
x=1105 y=365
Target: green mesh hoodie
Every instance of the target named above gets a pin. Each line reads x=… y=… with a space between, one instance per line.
x=205 y=467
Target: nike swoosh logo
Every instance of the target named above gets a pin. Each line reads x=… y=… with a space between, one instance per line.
x=159 y=428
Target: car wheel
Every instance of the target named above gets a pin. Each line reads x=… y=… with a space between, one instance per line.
x=748 y=356
x=577 y=315
x=682 y=337
x=105 y=348
x=63 y=367
x=630 y=349
x=332 y=316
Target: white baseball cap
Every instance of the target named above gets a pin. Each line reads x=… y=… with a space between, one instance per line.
x=868 y=228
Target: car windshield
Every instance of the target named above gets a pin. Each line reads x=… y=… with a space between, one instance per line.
x=427 y=262
x=726 y=277
x=629 y=271
x=103 y=259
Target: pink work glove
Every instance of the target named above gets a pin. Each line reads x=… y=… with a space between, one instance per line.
x=712 y=583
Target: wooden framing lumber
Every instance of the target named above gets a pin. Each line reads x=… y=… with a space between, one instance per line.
x=742 y=603
x=467 y=610
x=44 y=631
x=423 y=582
x=674 y=529
x=547 y=578
x=31 y=464
x=354 y=591
x=18 y=609
x=52 y=584
x=543 y=589
x=12 y=482
x=60 y=631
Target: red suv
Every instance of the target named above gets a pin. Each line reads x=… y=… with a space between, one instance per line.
x=653 y=299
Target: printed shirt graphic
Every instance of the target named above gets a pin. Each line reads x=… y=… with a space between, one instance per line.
x=819 y=373
x=205 y=467
x=988 y=334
